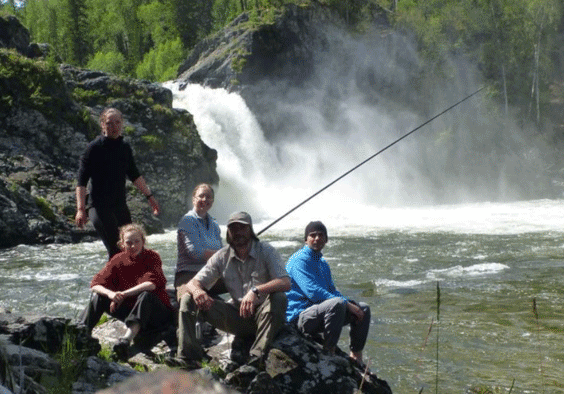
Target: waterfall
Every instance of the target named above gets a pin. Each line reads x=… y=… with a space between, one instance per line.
x=359 y=99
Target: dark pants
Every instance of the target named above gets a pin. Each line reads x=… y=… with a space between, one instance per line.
x=149 y=312
x=328 y=319
x=107 y=221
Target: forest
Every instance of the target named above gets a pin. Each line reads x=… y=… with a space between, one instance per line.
x=517 y=44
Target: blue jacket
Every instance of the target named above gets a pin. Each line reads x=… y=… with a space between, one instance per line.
x=194 y=236
x=311 y=282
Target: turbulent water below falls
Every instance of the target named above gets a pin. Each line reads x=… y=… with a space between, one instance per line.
x=489 y=261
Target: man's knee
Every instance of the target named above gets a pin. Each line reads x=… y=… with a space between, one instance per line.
x=278 y=302
x=336 y=306
x=186 y=303
x=366 y=309
x=146 y=295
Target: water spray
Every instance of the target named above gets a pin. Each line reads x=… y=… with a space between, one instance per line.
x=369 y=158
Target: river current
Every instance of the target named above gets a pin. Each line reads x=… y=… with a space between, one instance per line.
x=487 y=275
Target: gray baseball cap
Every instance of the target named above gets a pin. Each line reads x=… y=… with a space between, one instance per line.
x=240 y=217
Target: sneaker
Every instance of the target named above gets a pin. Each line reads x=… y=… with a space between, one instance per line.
x=121 y=350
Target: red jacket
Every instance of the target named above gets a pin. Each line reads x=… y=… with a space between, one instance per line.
x=122 y=273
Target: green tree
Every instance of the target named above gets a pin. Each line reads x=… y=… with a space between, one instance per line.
x=75 y=32
x=162 y=62
x=110 y=62
x=508 y=38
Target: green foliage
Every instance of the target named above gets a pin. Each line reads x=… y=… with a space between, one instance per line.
x=33 y=83
x=511 y=40
x=90 y=97
x=105 y=353
x=238 y=63
x=153 y=141
x=214 y=368
x=111 y=62
x=71 y=361
x=45 y=208
x=162 y=63
x=140 y=368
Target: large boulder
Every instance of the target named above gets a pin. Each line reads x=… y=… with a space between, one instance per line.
x=296 y=364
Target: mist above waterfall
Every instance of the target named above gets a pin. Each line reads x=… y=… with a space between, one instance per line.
x=363 y=95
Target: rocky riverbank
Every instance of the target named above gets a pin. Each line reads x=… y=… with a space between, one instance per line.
x=48 y=114
x=37 y=358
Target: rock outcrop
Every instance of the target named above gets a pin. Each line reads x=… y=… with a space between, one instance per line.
x=36 y=355
x=48 y=113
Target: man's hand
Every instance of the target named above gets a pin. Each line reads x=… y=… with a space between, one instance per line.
x=355 y=310
x=202 y=299
x=248 y=304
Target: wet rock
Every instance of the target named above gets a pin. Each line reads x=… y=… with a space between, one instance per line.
x=46 y=334
x=296 y=364
x=99 y=374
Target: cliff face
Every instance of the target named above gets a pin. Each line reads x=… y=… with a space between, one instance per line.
x=48 y=114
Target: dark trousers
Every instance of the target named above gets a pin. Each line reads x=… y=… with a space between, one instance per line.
x=328 y=319
x=107 y=221
x=149 y=312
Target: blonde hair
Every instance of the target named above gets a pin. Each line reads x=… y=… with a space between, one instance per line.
x=106 y=112
x=131 y=228
x=201 y=185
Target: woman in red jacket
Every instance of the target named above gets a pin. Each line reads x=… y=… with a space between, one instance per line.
x=131 y=288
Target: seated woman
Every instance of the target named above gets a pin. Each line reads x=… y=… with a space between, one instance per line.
x=131 y=288
x=198 y=239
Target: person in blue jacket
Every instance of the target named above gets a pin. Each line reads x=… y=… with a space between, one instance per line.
x=315 y=306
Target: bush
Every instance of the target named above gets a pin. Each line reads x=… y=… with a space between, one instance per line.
x=109 y=62
x=162 y=63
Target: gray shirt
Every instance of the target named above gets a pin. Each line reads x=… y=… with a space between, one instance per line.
x=261 y=266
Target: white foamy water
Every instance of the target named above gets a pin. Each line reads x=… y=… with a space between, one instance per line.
x=254 y=178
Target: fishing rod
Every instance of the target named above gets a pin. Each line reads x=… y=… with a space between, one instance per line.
x=368 y=159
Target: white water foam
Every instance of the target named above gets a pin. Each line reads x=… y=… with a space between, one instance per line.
x=458 y=271
x=255 y=178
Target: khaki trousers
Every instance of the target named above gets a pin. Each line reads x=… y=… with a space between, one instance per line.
x=264 y=325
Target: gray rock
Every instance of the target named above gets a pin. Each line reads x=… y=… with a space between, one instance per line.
x=34 y=364
x=46 y=334
x=99 y=374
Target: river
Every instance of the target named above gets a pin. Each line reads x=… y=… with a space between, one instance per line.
x=489 y=265
x=489 y=260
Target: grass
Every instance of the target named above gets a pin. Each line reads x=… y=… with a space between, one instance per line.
x=105 y=353
x=72 y=362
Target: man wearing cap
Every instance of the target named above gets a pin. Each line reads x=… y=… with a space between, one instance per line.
x=255 y=277
x=315 y=306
